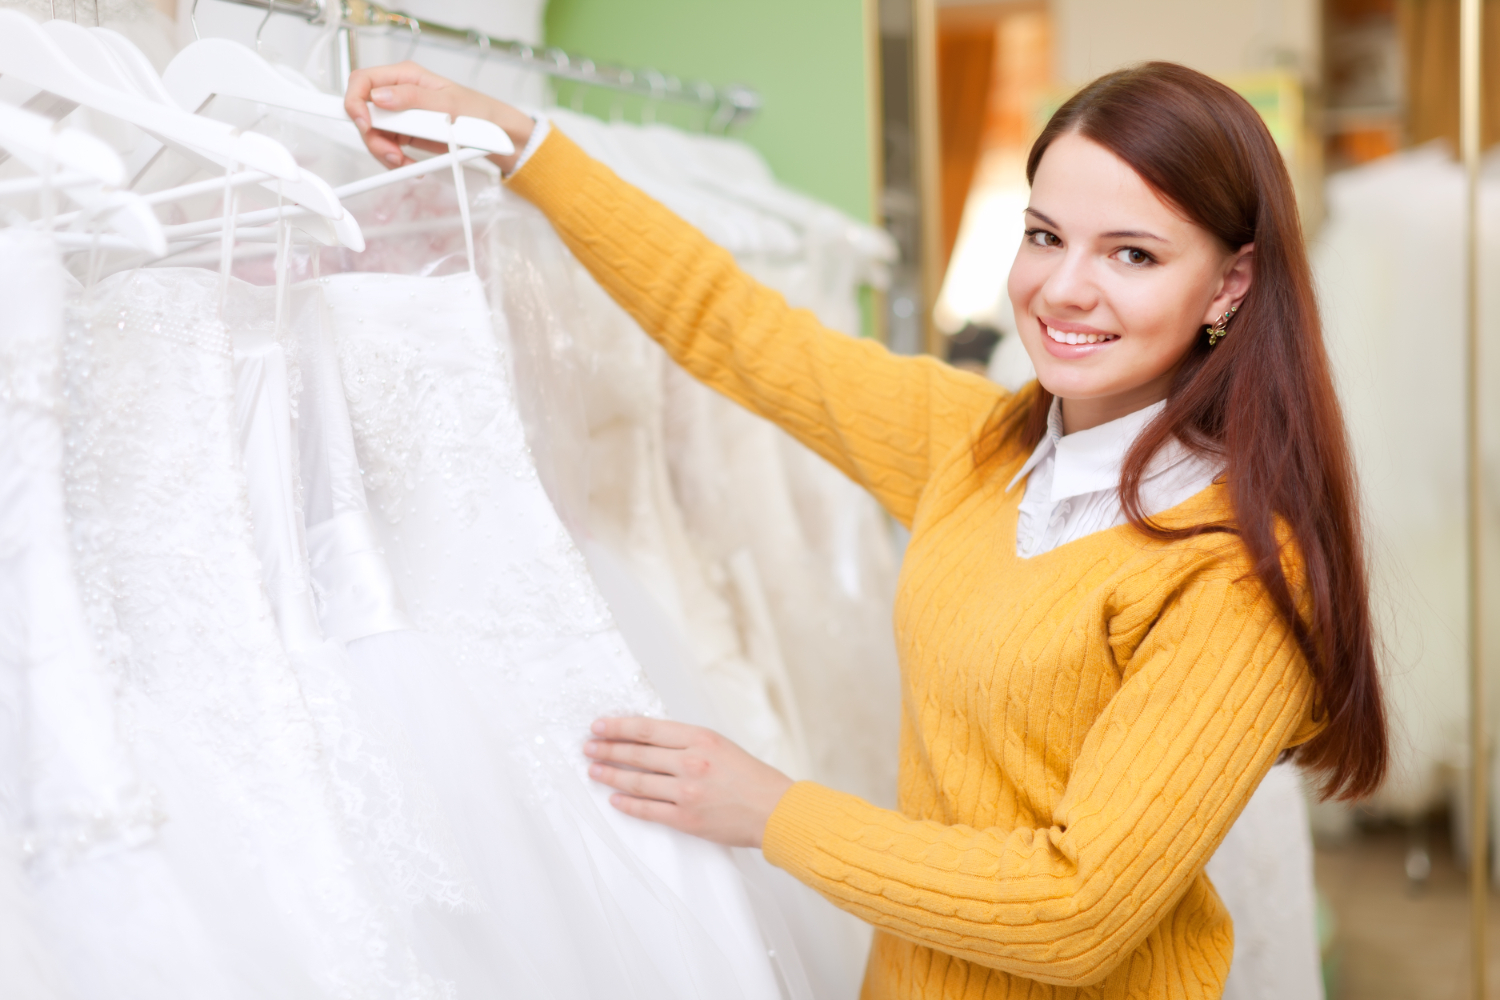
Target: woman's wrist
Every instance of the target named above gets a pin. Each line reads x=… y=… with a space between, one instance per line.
x=516 y=124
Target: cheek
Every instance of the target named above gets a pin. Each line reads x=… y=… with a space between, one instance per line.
x=1026 y=276
x=1155 y=317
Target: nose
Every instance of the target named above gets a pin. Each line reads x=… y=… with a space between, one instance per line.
x=1070 y=287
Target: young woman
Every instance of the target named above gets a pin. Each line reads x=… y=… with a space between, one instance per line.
x=1131 y=587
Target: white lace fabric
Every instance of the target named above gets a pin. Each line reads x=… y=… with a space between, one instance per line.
x=488 y=571
x=71 y=789
x=73 y=810
x=380 y=796
x=210 y=704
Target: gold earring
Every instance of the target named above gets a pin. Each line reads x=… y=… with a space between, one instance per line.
x=1220 y=328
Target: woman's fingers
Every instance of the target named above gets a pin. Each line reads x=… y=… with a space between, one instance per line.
x=363 y=81
x=405 y=86
x=650 y=810
x=639 y=784
x=399 y=88
x=405 y=96
x=640 y=755
x=385 y=147
x=690 y=778
x=654 y=732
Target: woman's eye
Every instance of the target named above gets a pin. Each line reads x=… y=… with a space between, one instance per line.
x=1042 y=238
x=1130 y=255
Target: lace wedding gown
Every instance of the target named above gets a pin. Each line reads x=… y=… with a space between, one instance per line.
x=96 y=888
x=55 y=774
x=490 y=575
x=213 y=712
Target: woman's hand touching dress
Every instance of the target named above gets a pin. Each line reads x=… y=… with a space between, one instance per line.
x=403 y=86
x=686 y=777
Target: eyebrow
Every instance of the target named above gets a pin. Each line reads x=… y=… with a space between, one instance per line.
x=1128 y=234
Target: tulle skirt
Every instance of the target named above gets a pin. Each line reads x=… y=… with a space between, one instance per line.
x=570 y=901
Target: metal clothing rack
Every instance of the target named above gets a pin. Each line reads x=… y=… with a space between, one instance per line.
x=727 y=107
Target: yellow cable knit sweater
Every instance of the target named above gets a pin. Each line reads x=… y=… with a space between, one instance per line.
x=1079 y=729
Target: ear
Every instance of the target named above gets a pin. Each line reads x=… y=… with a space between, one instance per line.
x=1239 y=272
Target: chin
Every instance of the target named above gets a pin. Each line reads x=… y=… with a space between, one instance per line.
x=1072 y=384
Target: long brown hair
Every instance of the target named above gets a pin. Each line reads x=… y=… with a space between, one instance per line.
x=1262 y=400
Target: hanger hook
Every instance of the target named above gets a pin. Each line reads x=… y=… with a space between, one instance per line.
x=482 y=40
x=416 y=36
x=270 y=9
x=658 y=85
x=192 y=18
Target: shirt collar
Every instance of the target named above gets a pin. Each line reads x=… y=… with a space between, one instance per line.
x=1090 y=461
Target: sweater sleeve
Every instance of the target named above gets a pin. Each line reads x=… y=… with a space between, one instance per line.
x=1215 y=690
x=884 y=420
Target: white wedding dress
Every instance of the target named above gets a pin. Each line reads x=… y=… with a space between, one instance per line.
x=213 y=712
x=57 y=772
x=492 y=579
x=97 y=911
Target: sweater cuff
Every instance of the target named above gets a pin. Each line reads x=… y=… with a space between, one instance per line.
x=552 y=170
x=804 y=816
x=540 y=129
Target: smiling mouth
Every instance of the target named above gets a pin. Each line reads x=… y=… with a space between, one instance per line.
x=1058 y=337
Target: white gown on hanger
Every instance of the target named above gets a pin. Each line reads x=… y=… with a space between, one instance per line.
x=46 y=664
x=383 y=799
x=404 y=742
x=101 y=913
x=591 y=387
x=211 y=708
x=488 y=571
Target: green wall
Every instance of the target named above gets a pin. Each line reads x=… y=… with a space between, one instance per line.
x=806 y=57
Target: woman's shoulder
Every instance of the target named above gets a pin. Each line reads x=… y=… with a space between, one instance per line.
x=1205 y=553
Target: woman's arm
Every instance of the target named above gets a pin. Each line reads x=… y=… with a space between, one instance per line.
x=1210 y=697
x=884 y=420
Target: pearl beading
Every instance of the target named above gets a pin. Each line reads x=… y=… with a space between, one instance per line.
x=202 y=330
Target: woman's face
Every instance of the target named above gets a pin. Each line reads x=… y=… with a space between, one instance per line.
x=1112 y=284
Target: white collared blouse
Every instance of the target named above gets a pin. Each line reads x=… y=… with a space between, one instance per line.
x=1073 y=480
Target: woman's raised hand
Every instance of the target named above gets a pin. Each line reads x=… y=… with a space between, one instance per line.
x=406 y=85
x=686 y=777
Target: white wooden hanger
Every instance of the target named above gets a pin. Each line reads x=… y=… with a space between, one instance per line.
x=218 y=66
x=70 y=149
x=28 y=54
x=190 y=234
x=91 y=52
x=85 y=169
x=147 y=81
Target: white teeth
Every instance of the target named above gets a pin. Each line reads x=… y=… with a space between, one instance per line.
x=1079 y=338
